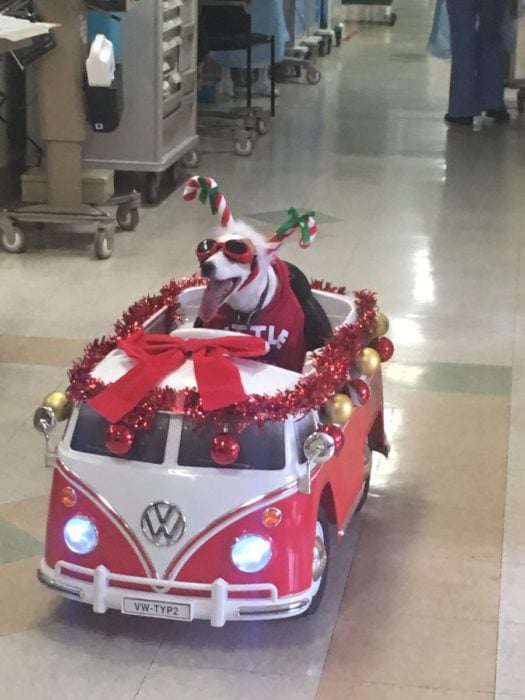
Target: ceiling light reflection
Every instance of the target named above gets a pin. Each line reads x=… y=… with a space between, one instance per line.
x=407 y=329
x=409 y=375
x=424 y=289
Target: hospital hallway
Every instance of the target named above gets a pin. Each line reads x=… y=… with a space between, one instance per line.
x=425 y=598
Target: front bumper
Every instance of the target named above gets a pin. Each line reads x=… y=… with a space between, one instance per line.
x=217 y=607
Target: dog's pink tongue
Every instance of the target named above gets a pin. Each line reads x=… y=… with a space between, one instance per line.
x=213 y=298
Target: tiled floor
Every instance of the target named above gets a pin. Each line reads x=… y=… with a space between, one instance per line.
x=433 y=607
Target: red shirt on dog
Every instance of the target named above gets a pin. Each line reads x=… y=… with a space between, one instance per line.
x=281 y=323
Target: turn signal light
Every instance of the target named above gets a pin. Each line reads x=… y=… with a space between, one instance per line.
x=68 y=496
x=272 y=517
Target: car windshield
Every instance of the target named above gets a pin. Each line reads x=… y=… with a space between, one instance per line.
x=262 y=447
x=90 y=436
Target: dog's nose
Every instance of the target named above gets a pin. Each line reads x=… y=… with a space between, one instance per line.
x=207 y=269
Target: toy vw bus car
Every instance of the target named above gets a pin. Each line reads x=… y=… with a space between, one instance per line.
x=172 y=529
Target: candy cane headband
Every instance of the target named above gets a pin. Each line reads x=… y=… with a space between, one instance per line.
x=207 y=189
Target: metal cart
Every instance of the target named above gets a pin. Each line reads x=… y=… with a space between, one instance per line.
x=159 y=125
x=513 y=81
x=302 y=20
x=60 y=81
x=332 y=18
x=366 y=11
x=250 y=121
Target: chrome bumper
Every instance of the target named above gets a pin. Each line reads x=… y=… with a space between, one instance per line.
x=218 y=607
x=56 y=586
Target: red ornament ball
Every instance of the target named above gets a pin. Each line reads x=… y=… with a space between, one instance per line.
x=362 y=389
x=224 y=448
x=384 y=347
x=336 y=433
x=119 y=438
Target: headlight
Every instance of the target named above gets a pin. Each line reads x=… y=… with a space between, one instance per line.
x=251 y=553
x=81 y=534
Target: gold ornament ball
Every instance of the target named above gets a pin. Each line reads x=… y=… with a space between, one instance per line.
x=59 y=403
x=339 y=408
x=368 y=361
x=381 y=325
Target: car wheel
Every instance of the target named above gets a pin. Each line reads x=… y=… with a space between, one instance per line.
x=367 y=472
x=320 y=562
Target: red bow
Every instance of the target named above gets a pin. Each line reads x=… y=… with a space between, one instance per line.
x=218 y=379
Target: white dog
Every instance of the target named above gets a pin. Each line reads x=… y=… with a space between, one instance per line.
x=250 y=290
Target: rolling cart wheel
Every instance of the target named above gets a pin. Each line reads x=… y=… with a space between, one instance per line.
x=152 y=188
x=391 y=19
x=261 y=126
x=127 y=218
x=104 y=243
x=313 y=76
x=243 y=147
x=191 y=159
x=13 y=239
x=338 y=37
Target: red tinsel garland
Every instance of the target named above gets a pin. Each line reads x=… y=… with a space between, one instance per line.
x=333 y=366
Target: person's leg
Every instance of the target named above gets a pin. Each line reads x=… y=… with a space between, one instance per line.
x=226 y=86
x=491 y=56
x=463 y=96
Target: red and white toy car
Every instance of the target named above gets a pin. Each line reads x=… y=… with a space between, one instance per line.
x=184 y=513
x=194 y=483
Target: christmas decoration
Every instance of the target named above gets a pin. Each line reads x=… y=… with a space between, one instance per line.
x=158 y=355
x=59 y=403
x=224 y=448
x=119 y=439
x=362 y=389
x=384 y=347
x=333 y=365
x=382 y=324
x=305 y=222
x=208 y=190
x=339 y=408
x=368 y=361
x=323 y=286
x=336 y=433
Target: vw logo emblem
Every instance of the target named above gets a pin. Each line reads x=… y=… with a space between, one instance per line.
x=163 y=523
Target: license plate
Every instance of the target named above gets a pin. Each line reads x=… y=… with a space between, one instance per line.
x=156 y=608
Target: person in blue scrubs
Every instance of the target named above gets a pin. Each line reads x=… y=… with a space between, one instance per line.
x=478 y=61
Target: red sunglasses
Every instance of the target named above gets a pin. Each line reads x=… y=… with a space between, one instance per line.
x=234 y=249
